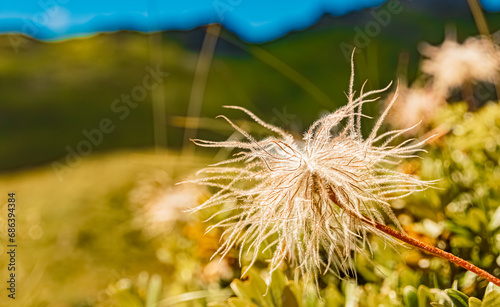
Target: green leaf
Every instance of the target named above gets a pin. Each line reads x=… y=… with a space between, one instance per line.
x=492 y=287
x=289 y=299
x=463 y=242
x=423 y=293
x=351 y=293
x=154 y=291
x=474 y=302
x=477 y=220
x=333 y=297
x=495 y=220
x=410 y=296
x=492 y=296
x=458 y=298
x=238 y=302
x=127 y=299
x=296 y=291
x=276 y=287
x=252 y=289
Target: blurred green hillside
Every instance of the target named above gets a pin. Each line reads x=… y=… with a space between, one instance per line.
x=51 y=91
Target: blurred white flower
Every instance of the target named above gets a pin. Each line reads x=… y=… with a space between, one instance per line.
x=216 y=270
x=313 y=201
x=160 y=205
x=414 y=106
x=452 y=64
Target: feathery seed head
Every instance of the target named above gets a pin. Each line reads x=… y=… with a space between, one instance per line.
x=306 y=199
x=159 y=204
x=452 y=64
x=415 y=106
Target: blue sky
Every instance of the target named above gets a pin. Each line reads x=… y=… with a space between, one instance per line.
x=253 y=20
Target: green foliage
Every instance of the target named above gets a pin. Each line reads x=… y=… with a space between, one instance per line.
x=462 y=214
x=144 y=292
x=458 y=298
x=253 y=292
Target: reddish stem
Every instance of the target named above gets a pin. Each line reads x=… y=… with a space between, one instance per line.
x=436 y=252
x=421 y=245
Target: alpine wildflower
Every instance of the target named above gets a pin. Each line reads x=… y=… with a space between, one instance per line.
x=158 y=204
x=312 y=201
x=453 y=64
x=415 y=106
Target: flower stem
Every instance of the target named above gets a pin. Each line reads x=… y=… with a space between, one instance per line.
x=478 y=15
x=419 y=244
x=436 y=252
x=482 y=26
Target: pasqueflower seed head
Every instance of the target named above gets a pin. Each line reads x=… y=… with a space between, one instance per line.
x=305 y=200
x=452 y=64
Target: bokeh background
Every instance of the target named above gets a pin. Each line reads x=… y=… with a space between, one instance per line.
x=103 y=225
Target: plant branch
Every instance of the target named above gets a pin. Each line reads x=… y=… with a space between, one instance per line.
x=419 y=244
x=478 y=15
x=482 y=26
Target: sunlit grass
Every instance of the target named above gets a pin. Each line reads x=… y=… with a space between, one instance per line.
x=75 y=236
